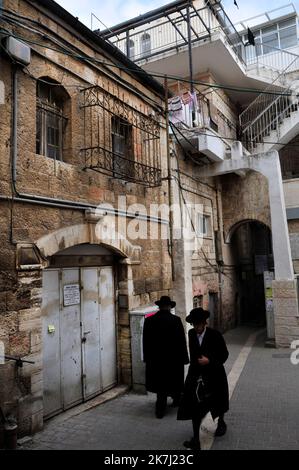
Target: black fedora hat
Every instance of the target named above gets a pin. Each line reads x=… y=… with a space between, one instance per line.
x=198 y=315
x=165 y=300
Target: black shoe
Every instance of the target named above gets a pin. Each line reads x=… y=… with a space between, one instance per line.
x=221 y=428
x=175 y=403
x=192 y=444
x=160 y=413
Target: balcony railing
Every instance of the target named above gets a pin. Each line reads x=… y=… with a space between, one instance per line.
x=269 y=109
x=120 y=140
x=166 y=29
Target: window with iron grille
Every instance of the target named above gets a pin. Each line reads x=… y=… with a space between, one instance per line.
x=120 y=139
x=122 y=147
x=145 y=44
x=198 y=301
x=50 y=120
x=131 y=49
x=204 y=225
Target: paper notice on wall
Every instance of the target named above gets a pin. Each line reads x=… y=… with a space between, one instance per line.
x=71 y=294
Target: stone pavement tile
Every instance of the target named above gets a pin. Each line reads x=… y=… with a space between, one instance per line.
x=264 y=408
x=264 y=412
x=124 y=423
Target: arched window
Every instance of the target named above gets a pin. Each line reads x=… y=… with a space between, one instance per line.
x=131 y=49
x=145 y=44
x=51 y=122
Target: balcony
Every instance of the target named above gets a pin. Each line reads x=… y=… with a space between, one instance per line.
x=166 y=29
x=119 y=140
x=159 y=41
x=194 y=123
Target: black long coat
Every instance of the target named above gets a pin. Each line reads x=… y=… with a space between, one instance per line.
x=164 y=353
x=214 y=376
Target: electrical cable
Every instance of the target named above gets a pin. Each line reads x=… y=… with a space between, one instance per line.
x=151 y=73
x=215 y=268
x=195 y=131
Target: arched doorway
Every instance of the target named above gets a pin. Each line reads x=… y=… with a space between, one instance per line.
x=251 y=244
x=79 y=326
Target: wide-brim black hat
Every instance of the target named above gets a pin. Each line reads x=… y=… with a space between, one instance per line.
x=198 y=315
x=165 y=300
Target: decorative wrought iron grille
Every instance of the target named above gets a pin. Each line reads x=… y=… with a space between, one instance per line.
x=121 y=135
x=50 y=129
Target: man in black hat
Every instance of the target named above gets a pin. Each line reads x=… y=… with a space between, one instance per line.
x=206 y=387
x=164 y=353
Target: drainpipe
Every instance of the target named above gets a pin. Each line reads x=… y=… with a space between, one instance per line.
x=220 y=276
x=169 y=178
x=14 y=129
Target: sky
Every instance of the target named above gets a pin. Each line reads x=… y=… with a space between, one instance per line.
x=111 y=12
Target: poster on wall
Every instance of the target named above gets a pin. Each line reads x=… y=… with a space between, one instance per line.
x=71 y=294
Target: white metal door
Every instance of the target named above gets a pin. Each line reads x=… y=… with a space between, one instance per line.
x=90 y=332
x=51 y=343
x=79 y=335
x=70 y=334
x=107 y=327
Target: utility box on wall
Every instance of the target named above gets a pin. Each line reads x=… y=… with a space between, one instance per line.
x=138 y=366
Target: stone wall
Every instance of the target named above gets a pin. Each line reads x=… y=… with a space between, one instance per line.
x=139 y=282
x=286 y=318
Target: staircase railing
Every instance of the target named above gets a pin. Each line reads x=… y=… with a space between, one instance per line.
x=268 y=110
x=269 y=57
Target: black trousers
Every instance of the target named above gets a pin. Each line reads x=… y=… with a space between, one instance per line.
x=161 y=401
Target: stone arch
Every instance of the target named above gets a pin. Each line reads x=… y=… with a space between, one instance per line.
x=82 y=233
x=238 y=224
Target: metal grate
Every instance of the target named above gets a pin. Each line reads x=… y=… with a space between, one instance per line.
x=119 y=139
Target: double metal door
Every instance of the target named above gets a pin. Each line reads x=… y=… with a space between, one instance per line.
x=79 y=335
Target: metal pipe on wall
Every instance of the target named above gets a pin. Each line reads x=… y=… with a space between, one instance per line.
x=169 y=177
x=14 y=127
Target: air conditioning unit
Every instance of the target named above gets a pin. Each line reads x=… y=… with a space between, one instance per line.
x=18 y=50
x=212 y=146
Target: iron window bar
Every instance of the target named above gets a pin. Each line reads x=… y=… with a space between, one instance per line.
x=99 y=158
x=132 y=154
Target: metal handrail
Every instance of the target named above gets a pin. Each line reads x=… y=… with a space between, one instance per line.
x=256 y=109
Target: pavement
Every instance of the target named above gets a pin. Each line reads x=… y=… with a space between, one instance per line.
x=264 y=410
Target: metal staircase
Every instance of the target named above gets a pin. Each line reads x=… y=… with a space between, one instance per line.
x=273 y=117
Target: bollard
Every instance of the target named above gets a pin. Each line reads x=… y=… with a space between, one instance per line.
x=10 y=435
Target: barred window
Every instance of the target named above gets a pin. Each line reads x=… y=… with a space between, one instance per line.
x=204 y=225
x=198 y=301
x=145 y=44
x=50 y=119
x=131 y=49
x=122 y=146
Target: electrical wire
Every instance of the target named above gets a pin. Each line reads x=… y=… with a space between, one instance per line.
x=215 y=268
x=142 y=72
x=195 y=131
x=68 y=51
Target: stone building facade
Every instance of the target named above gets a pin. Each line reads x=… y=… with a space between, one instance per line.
x=91 y=162
x=86 y=135
x=231 y=140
